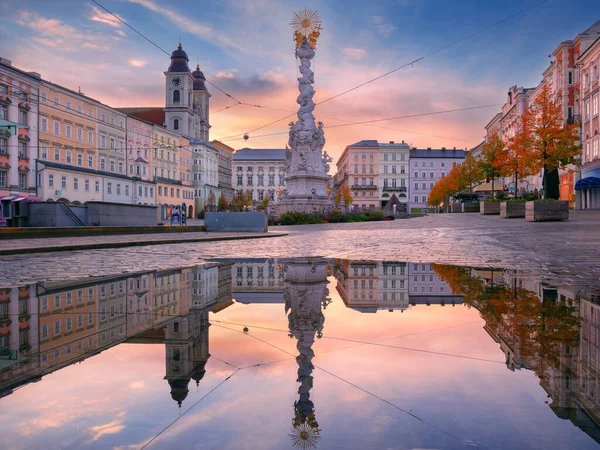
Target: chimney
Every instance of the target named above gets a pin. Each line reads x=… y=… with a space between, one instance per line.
x=391 y=142
x=443 y=148
x=428 y=148
x=403 y=141
x=35 y=75
x=454 y=148
x=6 y=62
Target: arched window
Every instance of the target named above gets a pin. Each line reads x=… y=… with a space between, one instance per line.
x=176 y=96
x=176 y=124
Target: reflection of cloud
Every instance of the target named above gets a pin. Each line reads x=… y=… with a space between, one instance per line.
x=97 y=15
x=114 y=427
x=137 y=385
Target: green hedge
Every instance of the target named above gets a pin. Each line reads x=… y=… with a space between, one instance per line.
x=296 y=218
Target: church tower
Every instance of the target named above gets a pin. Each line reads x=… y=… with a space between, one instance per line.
x=179 y=84
x=201 y=104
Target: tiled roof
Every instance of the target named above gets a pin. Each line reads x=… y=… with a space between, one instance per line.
x=155 y=115
x=438 y=153
x=365 y=143
x=259 y=154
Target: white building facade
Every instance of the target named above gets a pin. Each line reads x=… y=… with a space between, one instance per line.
x=261 y=171
x=394 y=174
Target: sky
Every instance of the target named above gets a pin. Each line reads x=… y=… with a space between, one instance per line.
x=246 y=49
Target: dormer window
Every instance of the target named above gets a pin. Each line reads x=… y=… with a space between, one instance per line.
x=176 y=96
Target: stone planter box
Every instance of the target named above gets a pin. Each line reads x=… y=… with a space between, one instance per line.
x=543 y=211
x=456 y=208
x=249 y=222
x=472 y=207
x=510 y=210
x=490 y=208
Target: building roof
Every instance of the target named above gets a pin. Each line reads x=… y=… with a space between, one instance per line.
x=365 y=143
x=259 y=154
x=151 y=114
x=199 y=79
x=179 y=61
x=438 y=153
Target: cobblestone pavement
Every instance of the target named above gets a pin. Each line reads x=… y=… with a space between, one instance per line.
x=12 y=246
x=567 y=249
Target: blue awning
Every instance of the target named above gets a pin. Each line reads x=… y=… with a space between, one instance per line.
x=588 y=183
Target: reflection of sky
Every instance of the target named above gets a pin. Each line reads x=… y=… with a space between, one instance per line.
x=120 y=399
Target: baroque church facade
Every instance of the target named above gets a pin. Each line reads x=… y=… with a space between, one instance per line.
x=187 y=106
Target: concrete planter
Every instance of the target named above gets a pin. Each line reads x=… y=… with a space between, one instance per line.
x=510 y=210
x=490 y=208
x=543 y=211
x=472 y=207
x=456 y=208
x=248 y=222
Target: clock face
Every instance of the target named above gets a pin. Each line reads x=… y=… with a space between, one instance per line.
x=176 y=81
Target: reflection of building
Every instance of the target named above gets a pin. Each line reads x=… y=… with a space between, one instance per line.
x=257 y=280
x=51 y=325
x=368 y=286
x=305 y=294
x=543 y=335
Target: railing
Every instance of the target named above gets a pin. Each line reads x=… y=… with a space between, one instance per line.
x=573 y=119
x=72 y=215
x=363 y=186
x=395 y=188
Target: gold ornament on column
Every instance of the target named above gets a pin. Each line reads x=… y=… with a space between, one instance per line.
x=306 y=24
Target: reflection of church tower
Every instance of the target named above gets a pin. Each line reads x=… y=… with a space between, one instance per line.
x=186 y=342
x=305 y=293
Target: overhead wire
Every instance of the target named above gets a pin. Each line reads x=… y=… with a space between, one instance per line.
x=431 y=113
x=357 y=387
x=409 y=64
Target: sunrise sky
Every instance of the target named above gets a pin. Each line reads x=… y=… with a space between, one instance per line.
x=246 y=48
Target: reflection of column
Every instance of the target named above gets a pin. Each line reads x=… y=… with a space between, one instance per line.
x=305 y=292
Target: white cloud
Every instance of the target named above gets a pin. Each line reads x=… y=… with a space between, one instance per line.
x=354 y=53
x=191 y=26
x=383 y=26
x=97 y=15
x=120 y=32
x=224 y=75
x=137 y=62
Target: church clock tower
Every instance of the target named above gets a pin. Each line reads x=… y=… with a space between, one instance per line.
x=201 y=104
x=179 y=85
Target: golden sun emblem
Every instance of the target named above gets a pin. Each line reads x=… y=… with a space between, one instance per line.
x=306 y=21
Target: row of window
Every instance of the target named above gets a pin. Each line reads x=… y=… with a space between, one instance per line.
x=143 y=191
x=394 y=169
x=260 y=179
x=21 y=94
x=393 y=182
x=364 y=156
x=260 y=169
x=175 y=192
x=4 y=179
x=22 y=117
x=69 y=106
x=591 y=149
x=595 y=107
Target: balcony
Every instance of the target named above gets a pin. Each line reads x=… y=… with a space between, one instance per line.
x=363 y=186
x=394 y=188
x=573 y=119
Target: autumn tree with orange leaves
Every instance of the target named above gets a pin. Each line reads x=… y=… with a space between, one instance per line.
x=491 y=159
x=548 y=142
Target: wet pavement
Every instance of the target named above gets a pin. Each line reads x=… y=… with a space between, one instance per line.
x=309 y=353
x=470 y=239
